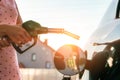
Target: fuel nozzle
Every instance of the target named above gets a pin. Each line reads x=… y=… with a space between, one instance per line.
x=34 y=29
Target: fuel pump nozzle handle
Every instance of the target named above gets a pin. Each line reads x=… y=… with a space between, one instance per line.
x=34 y=29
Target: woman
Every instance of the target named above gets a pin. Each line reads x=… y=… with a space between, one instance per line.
x=10 y=26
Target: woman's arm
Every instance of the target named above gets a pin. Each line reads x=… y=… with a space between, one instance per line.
x=19 y=19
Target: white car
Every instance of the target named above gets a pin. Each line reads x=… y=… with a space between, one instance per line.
x=107 y=32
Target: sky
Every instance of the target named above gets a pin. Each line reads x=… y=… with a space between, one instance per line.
x=80 y=17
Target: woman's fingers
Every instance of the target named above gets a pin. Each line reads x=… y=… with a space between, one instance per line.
x=4 y=43
x=19 y=37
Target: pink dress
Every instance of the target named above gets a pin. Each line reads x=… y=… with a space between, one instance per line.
x=9 y=68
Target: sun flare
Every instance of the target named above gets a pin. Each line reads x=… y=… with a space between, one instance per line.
x=57 y=40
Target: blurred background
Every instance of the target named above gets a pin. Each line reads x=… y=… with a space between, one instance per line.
x=80 y=17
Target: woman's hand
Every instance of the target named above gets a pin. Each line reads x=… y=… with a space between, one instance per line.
x=16 y=34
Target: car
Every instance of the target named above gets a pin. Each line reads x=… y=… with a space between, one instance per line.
x=105 y=35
